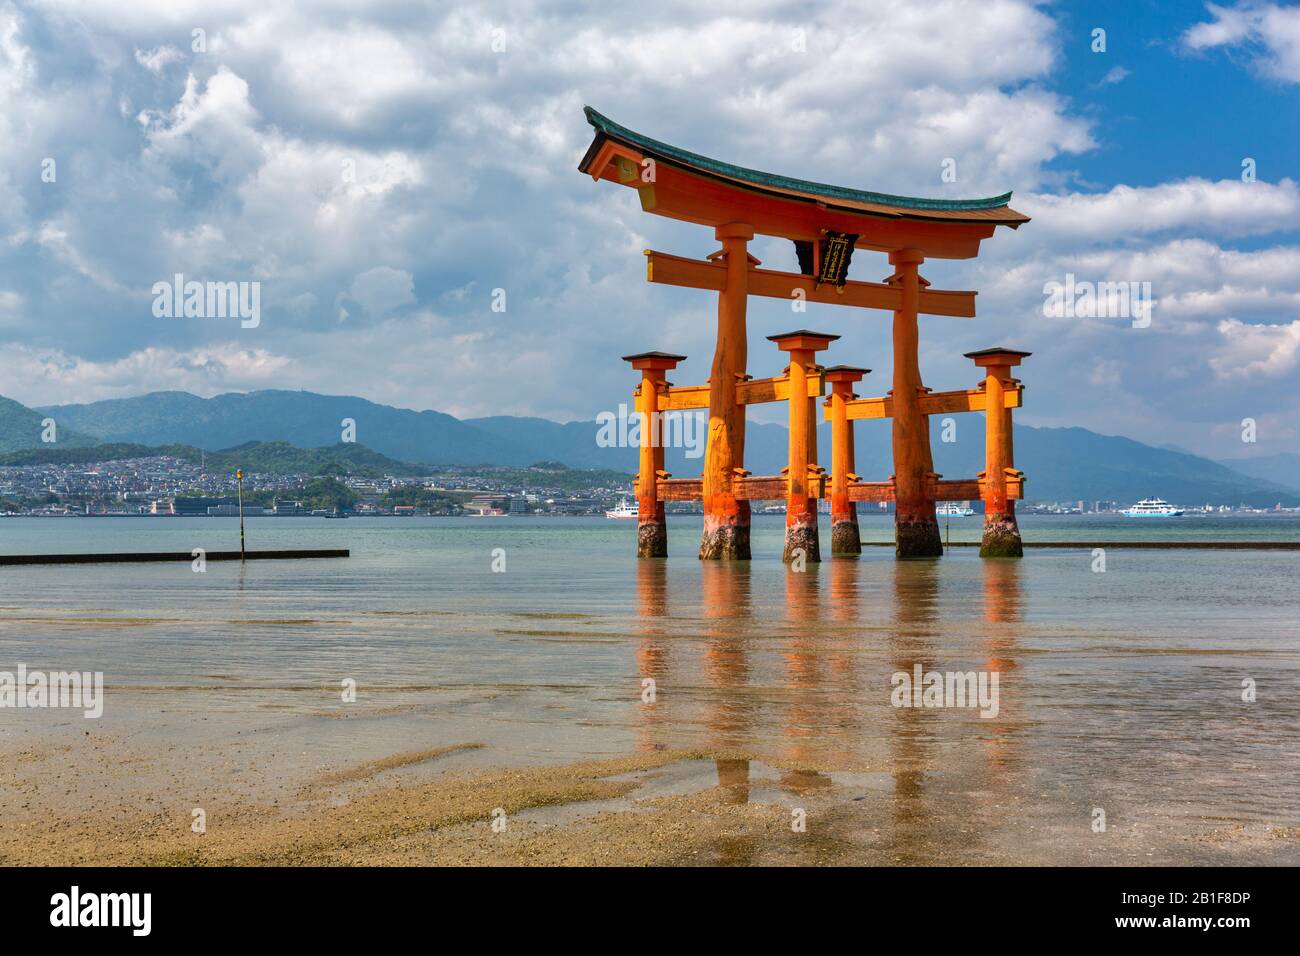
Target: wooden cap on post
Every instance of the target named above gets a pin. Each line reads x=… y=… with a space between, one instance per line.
x=997 y=356
x=802 y=339
x=846 y=374
x=654 y=360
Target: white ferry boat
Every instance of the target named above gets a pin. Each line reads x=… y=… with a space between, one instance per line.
x=1153 y=508
x=951 y=509
x=624 y=510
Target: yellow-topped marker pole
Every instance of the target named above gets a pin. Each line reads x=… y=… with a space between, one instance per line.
x=239 y=484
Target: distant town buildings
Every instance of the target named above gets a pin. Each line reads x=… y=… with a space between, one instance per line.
x=488 y=504
x=167 y=486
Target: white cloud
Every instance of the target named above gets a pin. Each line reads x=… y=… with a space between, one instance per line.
x=157 y=59
x=11 y=305
x=382 y=290
x=52 y=376
x=214 y=128
x=1268 y=28
x=54 y=239
x=1248 y=351
x=1226 y=207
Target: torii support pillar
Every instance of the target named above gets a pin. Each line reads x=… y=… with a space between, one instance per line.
x=800 y=506
x=726 y=518
x=651 y=525
x=845 y=537
x=916 y=529
x=1001 y=533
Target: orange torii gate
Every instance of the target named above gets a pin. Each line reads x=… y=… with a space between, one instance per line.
x=827 y=224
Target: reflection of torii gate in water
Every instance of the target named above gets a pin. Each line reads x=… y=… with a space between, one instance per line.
x=826 y=223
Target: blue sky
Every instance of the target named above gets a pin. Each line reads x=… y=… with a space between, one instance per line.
x=1176 y=113
x=381 y=168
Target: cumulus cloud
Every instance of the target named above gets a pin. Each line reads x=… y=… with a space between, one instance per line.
x=1270 y=31
x=214 y=128
x=1254 y=350
x=44 y=376
x=1227 y=207
x=382 y=290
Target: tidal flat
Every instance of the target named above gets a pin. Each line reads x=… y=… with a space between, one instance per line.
x=412 y=706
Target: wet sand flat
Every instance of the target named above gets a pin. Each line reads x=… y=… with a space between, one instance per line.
x=649 y=809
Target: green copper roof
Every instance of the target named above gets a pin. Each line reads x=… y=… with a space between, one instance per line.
x=607 y=126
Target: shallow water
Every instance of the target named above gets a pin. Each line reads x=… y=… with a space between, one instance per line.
x=1119 y=690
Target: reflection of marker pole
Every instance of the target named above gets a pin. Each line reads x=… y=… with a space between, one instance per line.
x=239 y=482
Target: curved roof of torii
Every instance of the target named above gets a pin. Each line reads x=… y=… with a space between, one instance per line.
x=988 y=213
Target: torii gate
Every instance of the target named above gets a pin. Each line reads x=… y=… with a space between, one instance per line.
x=826 y=223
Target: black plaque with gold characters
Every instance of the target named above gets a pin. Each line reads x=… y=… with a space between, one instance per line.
x=832 y=264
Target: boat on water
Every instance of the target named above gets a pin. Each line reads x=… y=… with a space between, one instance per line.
x=951 y=509
x=337 y=514
x=624 y=510
x=489 y=513
x=1152 y=508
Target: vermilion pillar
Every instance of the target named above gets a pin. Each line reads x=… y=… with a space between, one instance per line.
x=726 y=519
x=801 y=506
x=916 y=529
x=845 y=538
x=652 y=527
x=1001 y=533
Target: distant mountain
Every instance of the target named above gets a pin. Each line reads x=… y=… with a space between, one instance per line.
x=1281 y=469
x=1062 y=463
x=21 y=427
x=1074 y=463
x=573 y=443
x=281 y=458
x=305 y=419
